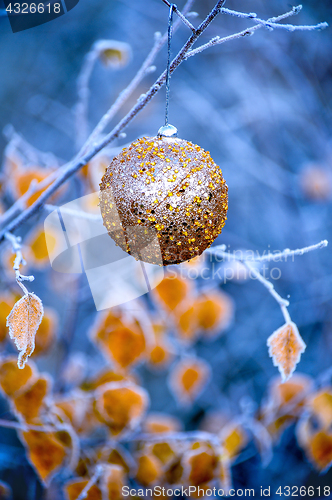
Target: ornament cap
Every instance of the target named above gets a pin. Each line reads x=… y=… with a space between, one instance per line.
x=168 y=131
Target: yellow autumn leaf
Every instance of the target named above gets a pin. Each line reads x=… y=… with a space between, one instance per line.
x=200 y=465
x=149 y=469
x=158 y=423
x=74 y=488
x=23 y=323
x=45 y=452
x=113 y=481
x=188 y=379
x=30 y=402
x=285 y=349
x=12 y=379
x=321 y=406
x=233 y=439
x=113 y=53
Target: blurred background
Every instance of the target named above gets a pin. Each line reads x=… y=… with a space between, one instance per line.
x=262 y=106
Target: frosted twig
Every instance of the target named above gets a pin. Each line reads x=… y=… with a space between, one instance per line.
x=181 y=16
x=273 y=22
x=291 y=253
x=178 y=436
x=9 y=424
x=77 y=163
x=250 y=31
x=283 y=303
x=17 y=249
x=126 y=93
x=220 y=250
x=83 y=95
x=98 y=472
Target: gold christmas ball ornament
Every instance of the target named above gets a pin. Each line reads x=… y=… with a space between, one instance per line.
x=166 y=190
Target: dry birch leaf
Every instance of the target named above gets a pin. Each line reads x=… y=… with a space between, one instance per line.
x=30 y=402
x=188 y=378
x=113 y=481
x=200 y=466
x=233 y=438
x=45 y=452
x=11 y=378
x=75 y=487
x=121 y=405
x=285 y=348
x=319 y=450
x=321 y=406
x=164 y=451
x=23 y=323
x=149 y=469
x=171 y=291
x=158 y=423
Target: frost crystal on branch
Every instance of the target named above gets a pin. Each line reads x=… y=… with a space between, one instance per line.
x=23 y=322
x=285 y=348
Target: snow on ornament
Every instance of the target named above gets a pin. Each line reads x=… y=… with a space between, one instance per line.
x=168 y=188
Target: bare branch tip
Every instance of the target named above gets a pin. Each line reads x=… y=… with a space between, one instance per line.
x=297 y=9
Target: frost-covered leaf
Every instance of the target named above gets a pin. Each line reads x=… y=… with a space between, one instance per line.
x=285 y=402
x=214 y=312
x=200 y=465
x=188 y=378
x=319 y=450
x=321 y=406
x=233 y=438
x=12 y=379
x=29 y=402
x=46 y=453
x=164 y=451
x=77 y=410
x=121 y=340
x=113 y=53
x=171 y=291
x=23 y=323
x=157 y=423
x=121 y=405
x=149 y=469
x=285 y=348
x=112 y=482
x=74 y=487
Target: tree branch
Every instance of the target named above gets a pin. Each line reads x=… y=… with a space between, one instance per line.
x=246 y=261
x=270 y=23
x=17 y=249
x=68 y=170
x=77 y=163
x=181 y=16
x=126 y=93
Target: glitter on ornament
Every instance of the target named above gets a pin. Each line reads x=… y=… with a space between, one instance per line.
x=165 y=187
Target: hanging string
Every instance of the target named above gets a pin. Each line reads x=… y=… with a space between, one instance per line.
x=169 y=39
